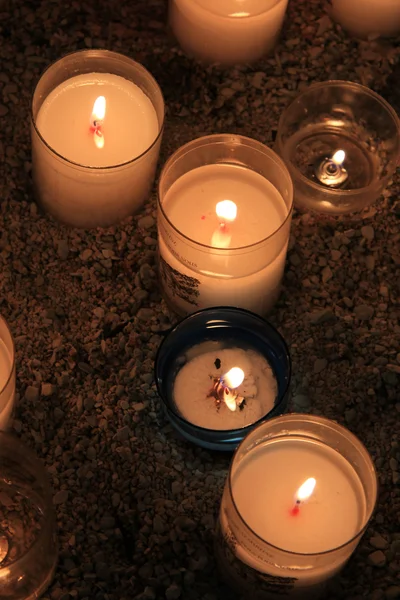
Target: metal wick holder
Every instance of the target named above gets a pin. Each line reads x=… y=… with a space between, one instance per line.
x=330 y=173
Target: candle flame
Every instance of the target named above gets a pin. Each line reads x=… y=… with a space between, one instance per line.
x=339 y=157
x=97 y=118
x=99 y=110
x=233 y=378
x=305 y=490
x=226 y=210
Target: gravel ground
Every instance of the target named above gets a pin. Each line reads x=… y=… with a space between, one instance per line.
x=136 y=506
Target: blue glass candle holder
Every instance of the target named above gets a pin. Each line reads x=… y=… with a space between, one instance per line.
x=220 y=328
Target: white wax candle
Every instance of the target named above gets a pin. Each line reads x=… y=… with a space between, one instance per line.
x=227 y=31
x=130 y=123
x=332 y=516
x=195 y=380
x=364 y=18
x=82 y=183
x=240 y=273
x=7 y=386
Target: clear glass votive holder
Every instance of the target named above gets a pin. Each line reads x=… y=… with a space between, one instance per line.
x=96 y=190
x=220 y=331
x=7 y=375
x=340 y=142
x=227 y=32
x=273 y=539
x=28 y=544
x=204 y=262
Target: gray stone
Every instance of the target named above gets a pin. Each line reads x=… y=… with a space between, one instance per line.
x=377 y=558
x=364 y=312
x=48 y=390
x=367 y=231
x=158 y=525
x=173 y=592
x=146 y=222
x=61 y=497
x=350 y=415
x=378 y=542
x=31 y=393
x=320 y=364
x=63 y=249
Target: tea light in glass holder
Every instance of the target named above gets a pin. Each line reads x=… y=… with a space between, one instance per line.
x=227 y=32
x=341 y=143
x=28 y=541
x=97 y=121
x=367 y=19
x=224 y=213
x=299 y=494
x=219 y=372
x=7 y=375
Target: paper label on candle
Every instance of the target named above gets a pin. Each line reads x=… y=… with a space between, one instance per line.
x=178 y=284
x=267 y=586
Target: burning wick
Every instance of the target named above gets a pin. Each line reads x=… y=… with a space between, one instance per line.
x=224 y=389
x=303 y=494
x=331 y=172
x=226 y=211
x=96 y=121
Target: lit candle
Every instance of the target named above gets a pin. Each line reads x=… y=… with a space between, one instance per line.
x=295 y=546
x=369 y=18
x=95 y=138
x=228 y=31
x=303 y=494
x=331 y=171
x=223 y=234
x=224 y=388
x=218 y=372
x=7 y=375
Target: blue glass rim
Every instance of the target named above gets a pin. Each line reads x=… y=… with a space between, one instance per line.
x=226 y=320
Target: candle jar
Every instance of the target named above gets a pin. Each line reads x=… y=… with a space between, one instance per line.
x=93 y=170
x=340 y=141
x=205 y=261
x=198 y=351
x=367 y=19
x=7 y=375
x=28 y=546
x=269 y=544
x=227 y=32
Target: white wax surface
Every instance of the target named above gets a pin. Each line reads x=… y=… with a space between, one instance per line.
x=274 y=472
x=191 y=200
x=194 y=381
x=130 y=124
x=7 y=394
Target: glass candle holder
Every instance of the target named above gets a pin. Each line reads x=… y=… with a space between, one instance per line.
x=28 y=546
x=227 y=32
x=195 y=370
x=7 y=375
x=340 y=142
x=367 y=19
x=299 y=494
x=96 y=126
x=224 y=211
